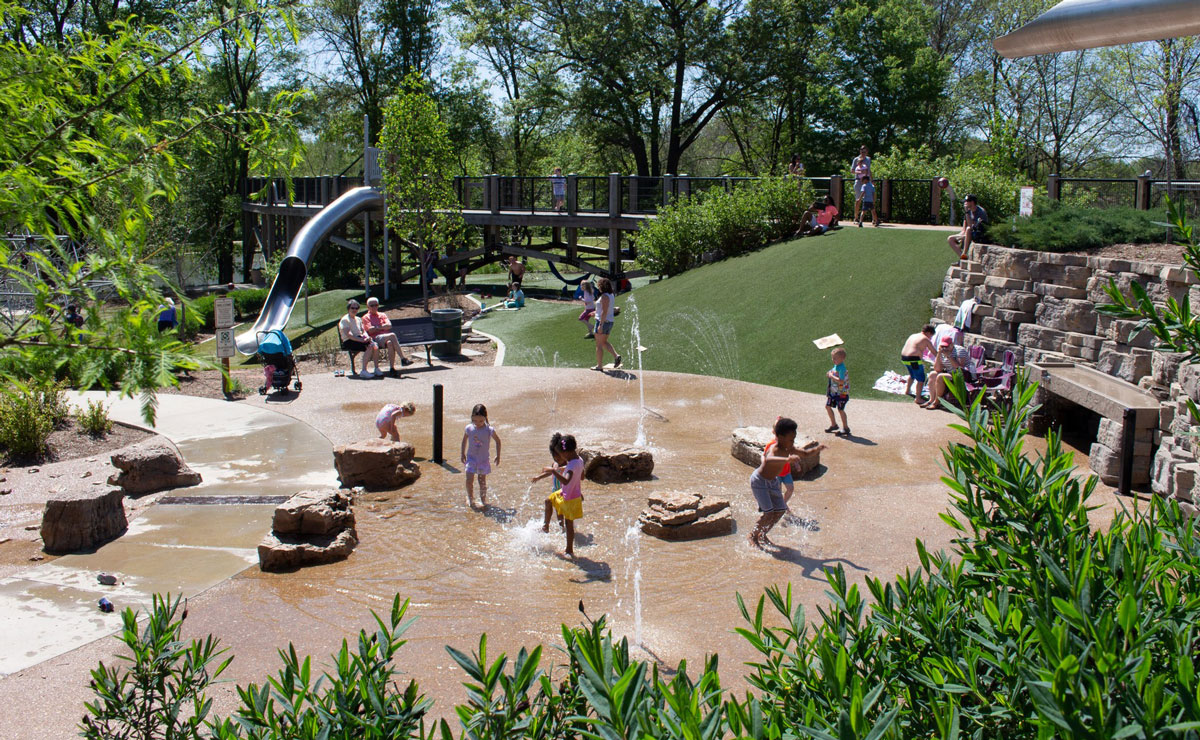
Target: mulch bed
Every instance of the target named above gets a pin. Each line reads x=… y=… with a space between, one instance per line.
x=1167 y=254
x=71 y=442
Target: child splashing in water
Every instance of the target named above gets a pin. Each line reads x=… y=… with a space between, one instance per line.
x=566 y=501
x=475 y=449
x=385 y=420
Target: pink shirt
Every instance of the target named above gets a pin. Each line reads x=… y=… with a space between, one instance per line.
x=574 y=488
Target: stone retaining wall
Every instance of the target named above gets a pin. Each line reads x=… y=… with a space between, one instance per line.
x=1042 y=306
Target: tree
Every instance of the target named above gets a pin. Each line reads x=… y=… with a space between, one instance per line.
x=81 y=159
x=422 y=208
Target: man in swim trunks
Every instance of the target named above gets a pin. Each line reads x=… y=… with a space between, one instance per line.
x=916 y=345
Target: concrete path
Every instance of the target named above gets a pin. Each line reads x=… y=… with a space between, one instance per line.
x=177 y=548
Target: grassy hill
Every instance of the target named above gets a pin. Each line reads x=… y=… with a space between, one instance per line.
x=754 y=317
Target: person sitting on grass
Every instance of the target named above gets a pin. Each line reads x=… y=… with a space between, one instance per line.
x=378 y=326
x=516 y=297
x=354 y=339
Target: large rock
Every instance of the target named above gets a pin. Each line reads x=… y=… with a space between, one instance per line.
x=686 y=516
x=310 y=528
x=314 y=513
x=375 y=464
x=278 y=553
x=149 y=466
x=610 y=462
x=749 y=442
x=1066 y=314
x=83 y=519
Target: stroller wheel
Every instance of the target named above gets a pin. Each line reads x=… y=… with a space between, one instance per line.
x=262 y=390
x=299 y=385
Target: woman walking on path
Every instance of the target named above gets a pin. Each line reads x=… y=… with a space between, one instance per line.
x=605 y=311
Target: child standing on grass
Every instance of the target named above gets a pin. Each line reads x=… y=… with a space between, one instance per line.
x=385 y=420
x=589 y=307
x=475 y=451
x=765 y=480
x=567 y=501
x=837 y=391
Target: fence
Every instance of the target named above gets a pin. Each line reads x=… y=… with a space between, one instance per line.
x=1144 y=192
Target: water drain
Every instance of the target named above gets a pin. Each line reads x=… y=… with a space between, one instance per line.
x=220 y=500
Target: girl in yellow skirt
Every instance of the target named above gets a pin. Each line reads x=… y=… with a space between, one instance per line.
x=567 y=498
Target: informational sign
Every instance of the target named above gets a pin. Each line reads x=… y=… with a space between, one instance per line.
x=1026 y=202
x=223 y=313
x=226 y=347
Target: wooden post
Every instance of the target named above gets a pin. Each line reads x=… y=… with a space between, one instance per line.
x=683 y=185
x=666 y=189
x=835 y=192
x=572 y=194
x=935 y=201
x=885 y=199
x=1053 y=187
x=493 y=193
x=1143 y=191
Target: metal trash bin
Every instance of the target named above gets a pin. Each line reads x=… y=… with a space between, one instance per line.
x=447 y=324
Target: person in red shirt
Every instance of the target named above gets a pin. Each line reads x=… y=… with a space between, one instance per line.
x=378 y=326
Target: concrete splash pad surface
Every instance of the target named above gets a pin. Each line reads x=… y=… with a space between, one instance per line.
x=469 y=573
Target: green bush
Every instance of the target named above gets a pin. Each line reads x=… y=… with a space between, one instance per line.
x=728 y=223
x=28 y=415
x=996 y=192
x=1065 y=227
x=248 y=303
x=94 y=419
x=199 y=313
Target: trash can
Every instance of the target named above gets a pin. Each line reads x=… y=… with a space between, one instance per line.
x=447 y=324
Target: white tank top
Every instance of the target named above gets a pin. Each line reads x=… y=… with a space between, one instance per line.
x=612 y=304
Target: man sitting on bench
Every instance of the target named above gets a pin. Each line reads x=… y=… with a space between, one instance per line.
x=355 y=340
x=379 y=327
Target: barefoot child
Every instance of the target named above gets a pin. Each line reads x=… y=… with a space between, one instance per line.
x=837 y=391
x=785 y=473
x=474 y=451
x=765 y=480
x=914 y=347
x=567 y=502
x=589 y=307
x=385 y=420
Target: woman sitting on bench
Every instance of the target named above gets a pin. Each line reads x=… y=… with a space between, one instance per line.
x=378 y=326
x=355 y=340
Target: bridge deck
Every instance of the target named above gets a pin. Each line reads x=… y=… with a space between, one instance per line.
x=476 y=217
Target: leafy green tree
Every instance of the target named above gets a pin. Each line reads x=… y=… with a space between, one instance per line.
x=422 y=208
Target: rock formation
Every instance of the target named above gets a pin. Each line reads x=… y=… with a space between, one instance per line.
x=749 y=442
x=611 y=462
x=83 y=519
x=686 y=516
x=310 y=528
x=149 y=466
x=375 y=464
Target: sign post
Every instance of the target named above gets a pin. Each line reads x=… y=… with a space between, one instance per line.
x=1026 y=202
x=223 y=320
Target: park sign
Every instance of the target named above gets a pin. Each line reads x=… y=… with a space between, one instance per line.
x=226 y=346
x=223 y=313
x=1026 y=202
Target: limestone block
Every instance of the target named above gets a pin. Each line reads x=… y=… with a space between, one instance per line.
x=1067 y=314
x=1189 y=379
x=1164 y=366
x=1041 y=337
x=613 y=462
x=1189 y=509
x=1052 y=258
x=313 y=513
x=1003 y=283
x=1008 y=263
x=1105 y=463
x=686 y=516
x=995 y=328
x=1013 y=317
x=1016 y=300
x=956 y=291
x=1162 y=472
x=149 y=466
x=1121 y=364
x=82 y=518
x=994 y=349
x=1126 y=332
x=376 y=464
x=1059 y=291
x=1109 y=264
x=1185 y=481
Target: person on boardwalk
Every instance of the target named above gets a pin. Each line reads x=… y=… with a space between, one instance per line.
x=605 y=312
x=385 y=420
x=860 y=167
x=589 y=307
x=911 y=355
x=765 y=480
x=558 y=186
x=378 y=327
x=567 y=499
x=837 y=391
x=974 y=221
x=475 y=452
x=354 y=339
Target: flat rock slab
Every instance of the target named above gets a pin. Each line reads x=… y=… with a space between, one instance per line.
x=83 y=519
x=149 y=466
x=310 y=528
x=612 y=462
x=375 y=464
x=749 y=443
x=314 y=513
x=686 y=516
x=278 y=553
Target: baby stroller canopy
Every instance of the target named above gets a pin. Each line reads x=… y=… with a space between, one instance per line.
x=275 y=342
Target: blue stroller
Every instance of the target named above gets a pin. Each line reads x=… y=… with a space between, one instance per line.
x=275 y=353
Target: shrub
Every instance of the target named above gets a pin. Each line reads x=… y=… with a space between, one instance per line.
x=50 y=399
x=247 y=303
x=94 y=419
x=729 y=223
x=1064 y=227
x=997 y=193
x=25 y=422
x=199 y=313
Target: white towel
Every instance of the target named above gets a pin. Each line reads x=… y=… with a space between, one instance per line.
x=962 y=320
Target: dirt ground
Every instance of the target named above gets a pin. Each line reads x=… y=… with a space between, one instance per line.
x=1167 y=254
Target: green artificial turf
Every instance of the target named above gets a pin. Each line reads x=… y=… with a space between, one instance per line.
x=755 y=317
x=324 y=311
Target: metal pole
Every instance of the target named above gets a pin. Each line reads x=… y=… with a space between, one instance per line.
x=387 y=262
x=437 y=424
x=367 y=215
x=1127 y=433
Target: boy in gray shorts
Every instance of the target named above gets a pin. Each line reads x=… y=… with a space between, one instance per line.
x=765 y=483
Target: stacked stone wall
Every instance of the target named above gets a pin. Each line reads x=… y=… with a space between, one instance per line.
x=1042 y=306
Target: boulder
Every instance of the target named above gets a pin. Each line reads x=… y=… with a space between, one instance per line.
x=149 y=466
x=610 y=462
x=314 y=513
x=375 y=464
x=279 y=552
x=686 y=516
x=83 y=519
x=749 y=442
x=1067 y=314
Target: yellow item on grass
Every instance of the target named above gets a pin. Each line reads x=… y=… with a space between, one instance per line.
x=568 y=508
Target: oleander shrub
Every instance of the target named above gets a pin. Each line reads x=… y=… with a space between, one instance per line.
x=28 y=415
x=719 y=223
x=1066 y=227
x=94 y=420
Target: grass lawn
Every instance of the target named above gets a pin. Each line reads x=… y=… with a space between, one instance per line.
x=754 y=317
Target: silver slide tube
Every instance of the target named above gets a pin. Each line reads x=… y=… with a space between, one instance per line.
x=1086 y=24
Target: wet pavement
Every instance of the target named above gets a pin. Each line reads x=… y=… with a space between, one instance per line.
x=494 y=571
